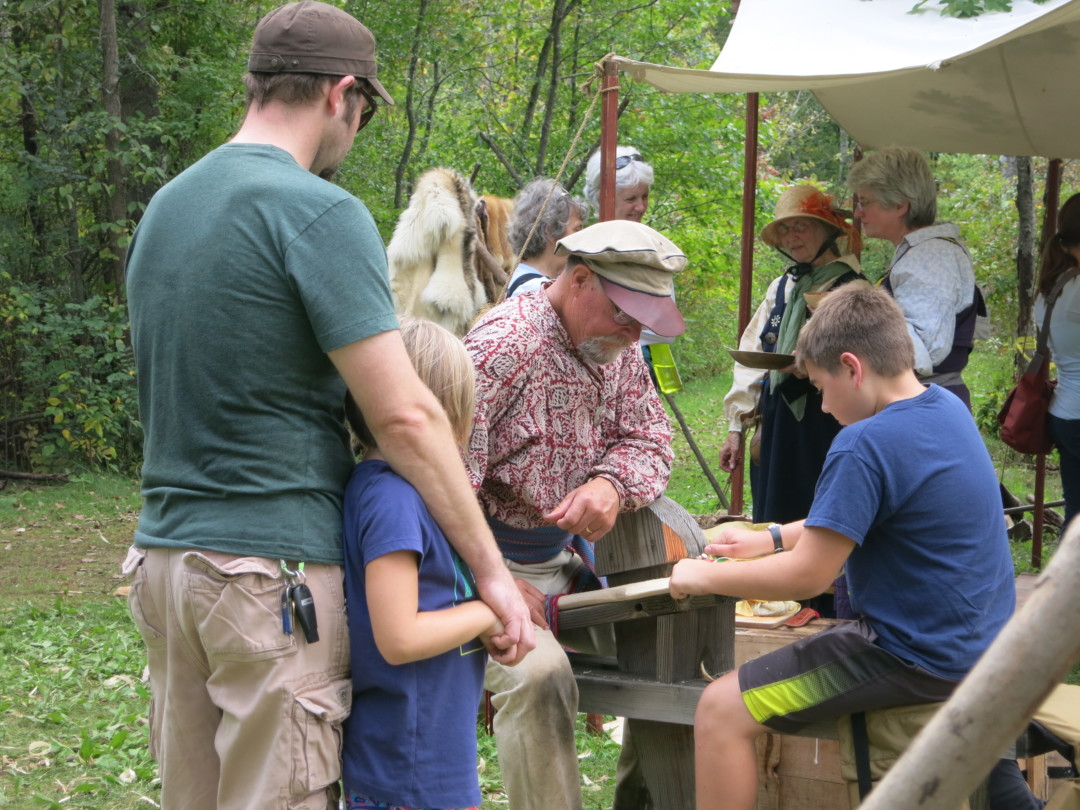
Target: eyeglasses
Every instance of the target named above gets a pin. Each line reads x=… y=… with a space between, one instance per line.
x=626 y=160
x=862 y=203
x=619 y=316
x=799 y=226
x=622 y=318
x=370 y=108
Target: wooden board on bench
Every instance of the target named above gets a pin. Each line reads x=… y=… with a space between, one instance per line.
x=764 y=622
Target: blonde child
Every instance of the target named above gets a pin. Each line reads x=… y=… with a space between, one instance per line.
x=415 y=624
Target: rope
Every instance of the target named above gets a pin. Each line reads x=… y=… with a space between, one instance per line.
x=562 y=168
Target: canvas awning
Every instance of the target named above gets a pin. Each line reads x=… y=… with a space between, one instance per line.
x=1003 y=83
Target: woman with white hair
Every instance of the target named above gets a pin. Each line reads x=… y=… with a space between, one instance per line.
x=633 y=178
x=559 y=215
x=930 y=274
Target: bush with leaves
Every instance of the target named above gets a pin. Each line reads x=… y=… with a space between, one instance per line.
x=69 y=398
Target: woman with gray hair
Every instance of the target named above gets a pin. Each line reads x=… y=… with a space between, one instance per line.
x=562 y=214
x=633 y=178
x=930 y=274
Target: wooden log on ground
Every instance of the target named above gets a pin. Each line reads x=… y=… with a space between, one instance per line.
x=1051 y=516
x=24 y=476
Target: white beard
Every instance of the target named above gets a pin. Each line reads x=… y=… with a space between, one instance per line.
x=602 y=350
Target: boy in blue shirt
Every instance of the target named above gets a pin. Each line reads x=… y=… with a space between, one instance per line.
x=908 y=505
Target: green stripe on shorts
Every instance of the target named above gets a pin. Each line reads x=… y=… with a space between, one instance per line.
x=801 y=692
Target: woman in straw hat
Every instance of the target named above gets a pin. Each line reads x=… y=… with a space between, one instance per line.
x=819 y=241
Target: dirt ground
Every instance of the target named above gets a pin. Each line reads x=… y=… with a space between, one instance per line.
x=65 y=541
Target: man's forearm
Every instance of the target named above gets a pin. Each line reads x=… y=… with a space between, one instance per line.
x=415 y=437
x=426 y=456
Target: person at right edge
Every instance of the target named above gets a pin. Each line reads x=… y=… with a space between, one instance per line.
x=1061 y=254
x=258 y=294
x=930 y=274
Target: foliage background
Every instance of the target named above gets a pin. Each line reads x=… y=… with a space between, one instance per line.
x=496 y=90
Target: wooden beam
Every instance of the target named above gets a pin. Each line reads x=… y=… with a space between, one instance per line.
x=609 y=139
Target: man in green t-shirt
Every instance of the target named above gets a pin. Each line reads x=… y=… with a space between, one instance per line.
x=258 y=292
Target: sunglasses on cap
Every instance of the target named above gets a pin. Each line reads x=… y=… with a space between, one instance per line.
x=626 y=160
x=371 y=107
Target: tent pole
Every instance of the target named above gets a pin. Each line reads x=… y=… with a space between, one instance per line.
x=1050 y=208
x=746 y=265
x=609 y=139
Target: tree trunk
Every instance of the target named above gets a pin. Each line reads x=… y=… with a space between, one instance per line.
x=28 y=124
x=538 y=77
x=429 y=110
x=1025 y=246
x=114 y=167
x=558 y=14
x=410 y=108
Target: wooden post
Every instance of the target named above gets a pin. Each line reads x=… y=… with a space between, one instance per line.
x=957 y=749
x=609 y=139
x=746 y=263
x=1051 y=198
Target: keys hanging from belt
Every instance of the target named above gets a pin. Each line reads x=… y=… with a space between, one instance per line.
x=297 y=601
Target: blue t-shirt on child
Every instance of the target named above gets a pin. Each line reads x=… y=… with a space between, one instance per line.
x=916 y=490
x=411 y=737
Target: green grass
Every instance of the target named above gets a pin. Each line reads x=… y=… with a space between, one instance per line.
x=72 y=703
x=598 y=756
x=73 y=707
x=701 y=402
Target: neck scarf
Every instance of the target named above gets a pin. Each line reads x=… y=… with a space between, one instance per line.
x=806 y=277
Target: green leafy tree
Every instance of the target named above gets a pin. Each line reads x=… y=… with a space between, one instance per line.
x=968 y=8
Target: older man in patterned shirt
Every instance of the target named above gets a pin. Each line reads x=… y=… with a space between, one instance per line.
x=569 y=432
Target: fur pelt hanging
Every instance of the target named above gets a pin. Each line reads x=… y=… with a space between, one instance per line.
x=432 y=254
x=499 y=211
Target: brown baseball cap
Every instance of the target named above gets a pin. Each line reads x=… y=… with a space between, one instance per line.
x=313 y=37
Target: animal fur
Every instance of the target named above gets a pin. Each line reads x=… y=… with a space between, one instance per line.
x=499 y=212
x=492 y=274
x=432 y=254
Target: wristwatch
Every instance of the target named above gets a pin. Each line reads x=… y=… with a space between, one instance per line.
x=777 y=538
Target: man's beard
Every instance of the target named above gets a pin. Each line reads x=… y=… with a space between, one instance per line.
x=602 y=350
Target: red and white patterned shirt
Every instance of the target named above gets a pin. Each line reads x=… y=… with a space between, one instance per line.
x=547 y=421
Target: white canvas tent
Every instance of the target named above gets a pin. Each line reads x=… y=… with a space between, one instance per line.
x=1003 y=83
